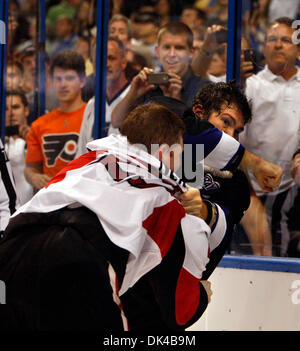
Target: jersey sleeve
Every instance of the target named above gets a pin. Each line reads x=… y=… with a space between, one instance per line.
x=220 y=151
x=168 y=297
x=231 y=200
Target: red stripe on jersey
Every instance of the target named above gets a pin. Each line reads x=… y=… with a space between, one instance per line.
x=187 y=297
x=163 y=223
x=77 y=163
x=141 y=184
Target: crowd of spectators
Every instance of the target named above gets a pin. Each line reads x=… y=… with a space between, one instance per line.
x=192 y=50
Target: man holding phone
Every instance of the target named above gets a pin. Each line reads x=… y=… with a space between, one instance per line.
x=175 y=51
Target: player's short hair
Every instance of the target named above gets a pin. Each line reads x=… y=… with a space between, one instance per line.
x=152 y=124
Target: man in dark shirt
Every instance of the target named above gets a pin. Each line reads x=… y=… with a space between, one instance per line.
x=174 y=50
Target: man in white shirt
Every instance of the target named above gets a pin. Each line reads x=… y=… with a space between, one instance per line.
x=273 y=133
x=117 y=87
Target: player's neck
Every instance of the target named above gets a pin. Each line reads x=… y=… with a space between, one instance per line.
x=71 y=106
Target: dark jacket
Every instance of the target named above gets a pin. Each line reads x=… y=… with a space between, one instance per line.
x=54 y=266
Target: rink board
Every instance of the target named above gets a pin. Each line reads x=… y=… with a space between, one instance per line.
x=253 y=294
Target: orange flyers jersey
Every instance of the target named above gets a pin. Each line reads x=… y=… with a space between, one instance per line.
x=53 y=138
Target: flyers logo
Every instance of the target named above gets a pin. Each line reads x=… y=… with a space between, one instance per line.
x=61 y=146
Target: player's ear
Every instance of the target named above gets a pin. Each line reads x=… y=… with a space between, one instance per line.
x=161 y=151
x=198 y=110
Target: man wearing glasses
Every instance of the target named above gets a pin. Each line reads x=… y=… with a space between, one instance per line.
x=273 y=133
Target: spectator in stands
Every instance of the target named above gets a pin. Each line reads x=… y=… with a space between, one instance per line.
x=64 y=8
x=174 y=50
x=17 y=112
x=14 y=6
x=145 y=29
x=202 y=58
x=214 y=48
x=272 y=134
x=117 y=86
x=164 y=9
x=29 y=7
x=83 y=47
x=66 y=37
x=217 y=69
x=50 y=97
x=33 y=33
x=193 y=17
x=28 y=60
x=136 y=60
x=14 y=75
x=120 y=27
x=18 y=30
x=85 y=18
x=257 y=25
x=218 y=14
x=199 y=34
x=52 y=138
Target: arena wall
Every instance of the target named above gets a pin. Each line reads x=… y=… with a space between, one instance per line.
x=253 y=294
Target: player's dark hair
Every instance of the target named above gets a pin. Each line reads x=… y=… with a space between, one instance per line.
x=214 y=96
x=152 y=124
